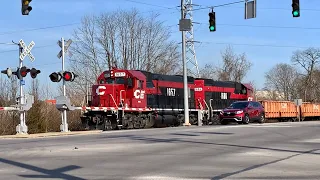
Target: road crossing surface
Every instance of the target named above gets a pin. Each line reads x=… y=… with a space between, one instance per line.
x=267 y=151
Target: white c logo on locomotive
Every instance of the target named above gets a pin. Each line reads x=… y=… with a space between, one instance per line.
x=139 y=94
x=98 y=90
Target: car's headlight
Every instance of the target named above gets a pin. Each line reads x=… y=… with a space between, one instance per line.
x=221 y=112
x=239 y=112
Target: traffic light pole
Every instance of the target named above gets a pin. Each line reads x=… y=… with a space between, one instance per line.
x=64 y=125
x=185 y=82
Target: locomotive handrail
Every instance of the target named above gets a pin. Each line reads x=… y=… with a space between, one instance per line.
x=206 y=104
x=200 y=104
x=121 y=97
x=211 y=105
x=113 y=100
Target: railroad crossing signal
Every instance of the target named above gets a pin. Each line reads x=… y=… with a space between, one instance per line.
x=69 y=76
x=55 y=77
x=26 y=50
x=295 y=8
x=66 y=46
x=66 y=75
x=22 y=72
x=212 y=21
x=34 y=72
x=25 y=7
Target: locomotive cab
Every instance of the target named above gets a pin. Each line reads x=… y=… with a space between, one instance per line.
x=118 y=88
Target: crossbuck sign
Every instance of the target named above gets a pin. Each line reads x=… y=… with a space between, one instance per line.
x=26 y=50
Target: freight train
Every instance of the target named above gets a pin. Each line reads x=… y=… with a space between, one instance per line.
x=134 y=99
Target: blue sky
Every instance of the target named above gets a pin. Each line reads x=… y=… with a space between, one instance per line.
x=232 y=29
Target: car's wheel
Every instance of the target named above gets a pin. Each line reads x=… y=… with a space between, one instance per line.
x=246 y=119
x=261 y=119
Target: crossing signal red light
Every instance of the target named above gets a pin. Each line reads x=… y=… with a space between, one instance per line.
x=69 y=76
x=34 y=72
x=55 y=77
x=22 y=72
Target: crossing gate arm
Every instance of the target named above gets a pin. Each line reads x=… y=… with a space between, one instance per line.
x=8 y=109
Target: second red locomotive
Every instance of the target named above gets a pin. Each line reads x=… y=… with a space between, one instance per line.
x=126 y=99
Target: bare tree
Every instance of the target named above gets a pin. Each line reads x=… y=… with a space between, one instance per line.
x=208 y=71
x=235 y=67
x=122 y=39
x=283 y=78
x=308 y=59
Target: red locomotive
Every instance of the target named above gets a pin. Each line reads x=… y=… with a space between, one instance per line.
x=138 y=99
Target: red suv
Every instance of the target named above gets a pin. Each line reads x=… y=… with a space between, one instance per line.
x=243 y=112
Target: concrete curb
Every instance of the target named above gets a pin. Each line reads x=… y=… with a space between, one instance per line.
x=50 y=134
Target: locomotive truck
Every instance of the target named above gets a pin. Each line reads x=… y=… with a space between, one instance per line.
x=133 y=99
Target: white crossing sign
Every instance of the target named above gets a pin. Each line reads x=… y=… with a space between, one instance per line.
x=66 y=46
x=26 y=50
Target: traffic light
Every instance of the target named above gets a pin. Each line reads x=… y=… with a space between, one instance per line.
x=25 y=7
x=212 y=21
x=8 y=72
x=22 y=72
x=55 y=77
x=295 y=8
x=34 y=72
x=68 y=76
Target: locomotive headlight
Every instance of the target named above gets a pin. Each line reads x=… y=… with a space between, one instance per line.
x=239 y=112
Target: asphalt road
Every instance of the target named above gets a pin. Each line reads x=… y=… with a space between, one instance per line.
x=268 y=151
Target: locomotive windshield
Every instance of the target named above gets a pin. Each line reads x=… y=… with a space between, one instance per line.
x=118 y=80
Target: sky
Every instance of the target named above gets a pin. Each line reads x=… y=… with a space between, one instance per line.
x=268 y=39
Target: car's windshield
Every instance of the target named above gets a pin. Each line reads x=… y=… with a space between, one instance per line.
x=238 y=105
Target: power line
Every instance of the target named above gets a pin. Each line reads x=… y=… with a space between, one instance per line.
x=138 y=2
x=221 y=5
x=270 y=26
x=51 y=27
x=262 y=26
x=261 y=45
x=36 y=29
x=15 y=50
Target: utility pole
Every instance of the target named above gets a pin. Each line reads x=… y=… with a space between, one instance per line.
x=185 y=25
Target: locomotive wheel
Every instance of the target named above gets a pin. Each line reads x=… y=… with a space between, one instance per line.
x=107 y=126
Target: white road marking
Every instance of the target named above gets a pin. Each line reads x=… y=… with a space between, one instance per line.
x=310 y=140
x=165 y=178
